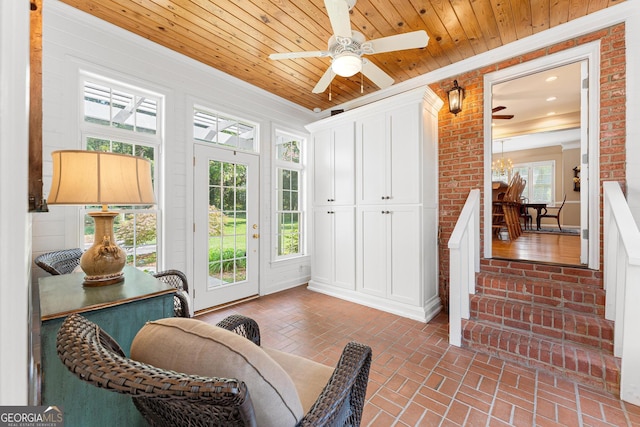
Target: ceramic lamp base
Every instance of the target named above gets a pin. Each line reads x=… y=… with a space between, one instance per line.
x=103 y=262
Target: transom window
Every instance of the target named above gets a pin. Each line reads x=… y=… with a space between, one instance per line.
x=215 y=128
x=289 y=211
x=126 y=120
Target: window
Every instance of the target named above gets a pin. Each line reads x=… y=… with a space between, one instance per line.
x=289 y=211
x=124 y=120
x=214 y=128
x=540 y=177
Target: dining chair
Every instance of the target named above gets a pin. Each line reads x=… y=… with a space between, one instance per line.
x=555 y=215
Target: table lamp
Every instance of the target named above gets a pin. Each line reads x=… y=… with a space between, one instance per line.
x=99 y=178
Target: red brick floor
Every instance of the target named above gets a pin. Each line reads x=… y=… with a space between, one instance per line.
x=417 y=378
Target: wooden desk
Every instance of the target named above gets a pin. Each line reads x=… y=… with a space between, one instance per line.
x=538 y=207
x=121 y=310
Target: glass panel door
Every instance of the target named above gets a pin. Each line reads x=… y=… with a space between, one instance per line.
x=226 y=227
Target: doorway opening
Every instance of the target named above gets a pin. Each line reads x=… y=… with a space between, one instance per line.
x=536 y=127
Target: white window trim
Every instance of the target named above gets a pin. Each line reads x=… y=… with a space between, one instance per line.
x=302 y=195
x=88 y=129
x=205 y=109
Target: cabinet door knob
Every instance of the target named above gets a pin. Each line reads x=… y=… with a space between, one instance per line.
x=387 y=212
x=382 y=197
x=388 y=197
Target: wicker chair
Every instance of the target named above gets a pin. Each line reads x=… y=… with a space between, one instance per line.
x=168 y=398
x=59 y=262
x=181 y=301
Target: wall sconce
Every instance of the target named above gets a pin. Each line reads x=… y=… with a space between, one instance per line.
x=456 y=95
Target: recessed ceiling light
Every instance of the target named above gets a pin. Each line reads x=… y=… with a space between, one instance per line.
x=551 y=78
x=551 y=98
x=551 y=113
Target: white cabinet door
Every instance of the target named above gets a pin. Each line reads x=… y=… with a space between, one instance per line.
x=334 y=246
x=344 y=161
x=322 y=246
x=390 y=253
x=389 y=155
x=405 y=254
x=334 y=166
x=344 y=227
x=404 y=179
x=323 y=167
x=372 y=152
x=372 y=250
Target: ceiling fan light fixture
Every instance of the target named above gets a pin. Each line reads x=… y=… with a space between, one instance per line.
x=347 y=64
x=455 y=95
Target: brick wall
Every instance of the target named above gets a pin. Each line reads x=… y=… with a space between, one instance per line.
x=461 y=137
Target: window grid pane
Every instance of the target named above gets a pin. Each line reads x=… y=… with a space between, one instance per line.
x=216 y=129
x=227 y=223
x=540 y=177
x=288 y=215
x=121 y=109
x=135 y=227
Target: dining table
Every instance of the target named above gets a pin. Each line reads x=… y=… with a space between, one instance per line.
x=539 y=207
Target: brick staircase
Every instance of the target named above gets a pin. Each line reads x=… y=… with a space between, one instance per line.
x=544 y=318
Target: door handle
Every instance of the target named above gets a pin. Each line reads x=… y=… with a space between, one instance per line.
x=256 y=236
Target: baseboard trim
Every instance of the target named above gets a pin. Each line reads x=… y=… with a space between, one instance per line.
x=421 y=314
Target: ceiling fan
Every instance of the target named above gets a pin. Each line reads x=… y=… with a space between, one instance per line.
x=346 y=48
x=500 y=116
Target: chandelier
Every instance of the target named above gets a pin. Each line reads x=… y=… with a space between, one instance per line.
x=502 y=166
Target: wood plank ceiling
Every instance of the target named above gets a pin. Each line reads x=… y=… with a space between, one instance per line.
x=237 y=36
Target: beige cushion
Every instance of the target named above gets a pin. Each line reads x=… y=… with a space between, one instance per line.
x=309 y=377
x=195 y=347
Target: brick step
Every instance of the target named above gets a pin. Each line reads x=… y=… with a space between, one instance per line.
x=580 y=363
x=553 y=322
x=587 y=299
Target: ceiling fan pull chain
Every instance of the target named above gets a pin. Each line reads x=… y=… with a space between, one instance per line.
x=361 y=84
x=330 y=87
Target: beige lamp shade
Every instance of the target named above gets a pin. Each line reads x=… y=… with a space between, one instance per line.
x=99 y=178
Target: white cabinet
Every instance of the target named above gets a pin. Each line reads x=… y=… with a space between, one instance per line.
x=334 y=246
x=389 y=241
x=388 y=156
x=334 y=165
x=375 y=205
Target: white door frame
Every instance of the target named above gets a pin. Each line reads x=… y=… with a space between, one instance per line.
x=251 y=286
x=591 y=53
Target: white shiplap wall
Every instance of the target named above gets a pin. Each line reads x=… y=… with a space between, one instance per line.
x=15 y=222
x=75 y=41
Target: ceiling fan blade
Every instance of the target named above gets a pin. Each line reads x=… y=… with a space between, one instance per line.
x=498 y=108
x=338 y=11
x=404 y=41
x=375 y=74
x=293 y=55
x=324 y=81
x=502 y=116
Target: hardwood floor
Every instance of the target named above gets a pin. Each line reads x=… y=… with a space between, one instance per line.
x=542 y=247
